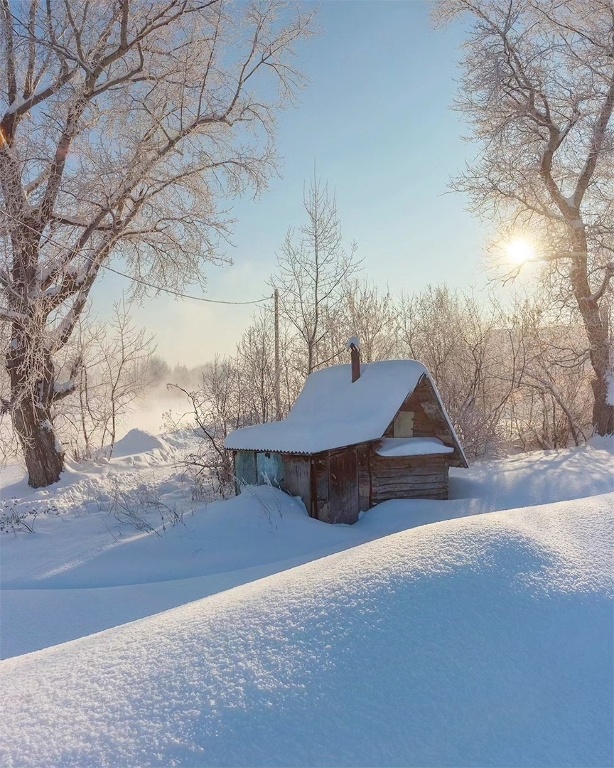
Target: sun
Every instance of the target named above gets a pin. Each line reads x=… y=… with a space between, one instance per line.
x=519 y=250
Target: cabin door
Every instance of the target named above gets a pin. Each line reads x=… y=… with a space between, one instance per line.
x=343 y=487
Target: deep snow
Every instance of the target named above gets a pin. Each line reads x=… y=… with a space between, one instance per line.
x=481 y=639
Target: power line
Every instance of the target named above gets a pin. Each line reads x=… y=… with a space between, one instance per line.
x=183 y=295
x=139 y=280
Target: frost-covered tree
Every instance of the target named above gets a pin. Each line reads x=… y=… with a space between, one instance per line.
x=458 y=339
x=313 y=268
x=368 y=313
x=116 y=366
x=538 y=91
x=550 y=406
x=121 y=125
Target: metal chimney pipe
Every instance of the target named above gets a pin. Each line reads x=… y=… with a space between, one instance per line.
x=353 y=345
x=355 y=355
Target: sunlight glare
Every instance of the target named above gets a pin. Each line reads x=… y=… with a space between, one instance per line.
x=520 y=250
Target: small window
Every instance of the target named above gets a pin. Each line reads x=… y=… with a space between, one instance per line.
x=404 y=424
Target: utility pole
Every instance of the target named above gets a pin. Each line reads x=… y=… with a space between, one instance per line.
x=277 y=371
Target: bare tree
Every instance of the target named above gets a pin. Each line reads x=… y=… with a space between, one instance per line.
x=538 y=90
x=313 y=267
x=124 y=367
x=370 y=315
x=121 y=124
x=358 y=309
x=114 y=371
x=460 y=341
x=218 y=407
x=551 y=404
x=256 y=369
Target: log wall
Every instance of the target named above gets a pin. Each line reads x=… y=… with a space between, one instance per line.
x=408 y=477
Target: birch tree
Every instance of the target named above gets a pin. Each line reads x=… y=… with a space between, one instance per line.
x=122 y=123
x=538 y=91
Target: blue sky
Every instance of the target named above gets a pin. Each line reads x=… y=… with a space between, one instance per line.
x=376 y=119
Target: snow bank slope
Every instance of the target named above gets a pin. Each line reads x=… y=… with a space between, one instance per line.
x=534 y=478
x=480 y=641
x=82 y=572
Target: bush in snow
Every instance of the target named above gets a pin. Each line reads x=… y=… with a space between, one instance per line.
x=17 y=519
x=143 y=509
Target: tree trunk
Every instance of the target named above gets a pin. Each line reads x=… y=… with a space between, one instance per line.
x=43 y=454
x=596 y=330
x=603 y=413
x=32 y=376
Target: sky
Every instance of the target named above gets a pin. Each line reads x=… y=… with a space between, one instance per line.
x=376 y=119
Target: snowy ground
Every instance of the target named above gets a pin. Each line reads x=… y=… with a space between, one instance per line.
x=481 y=639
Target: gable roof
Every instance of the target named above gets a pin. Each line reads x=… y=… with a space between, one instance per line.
x=334 y=412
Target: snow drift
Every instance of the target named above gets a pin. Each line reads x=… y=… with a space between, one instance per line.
x=480 y=641
x=138 y=441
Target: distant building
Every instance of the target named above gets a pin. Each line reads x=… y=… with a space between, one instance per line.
x=354 y=438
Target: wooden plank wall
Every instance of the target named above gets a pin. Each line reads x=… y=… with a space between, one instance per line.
x=270 y=468
x=319 y=480
x=343 y=486
x=408 y=477
x=296 y=478
x=429 y=420
x=245 y=469
x=363 y=453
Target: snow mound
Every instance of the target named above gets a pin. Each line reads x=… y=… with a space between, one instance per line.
x=138 y=441
x=481 y=641
x=604 y=443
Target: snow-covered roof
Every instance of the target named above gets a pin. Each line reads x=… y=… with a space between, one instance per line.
x=412 y=446
x=334 y=412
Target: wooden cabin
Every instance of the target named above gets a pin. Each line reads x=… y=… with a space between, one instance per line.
x=354 y=438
